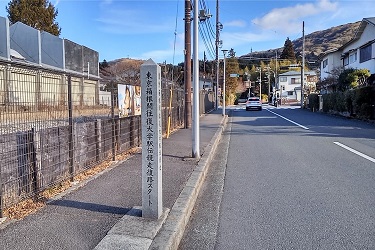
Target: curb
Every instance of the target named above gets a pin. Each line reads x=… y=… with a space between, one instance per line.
x=173 y=229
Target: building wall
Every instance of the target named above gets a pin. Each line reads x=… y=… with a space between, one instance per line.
x=52 y=50
x=367 y=36
x=90 y=60
x=42 y=80
x=73 y=56
x=295 y=88
x=21 y=87
x=26 y=41
x=4 y=38
x=334 y=61
x=90 y=92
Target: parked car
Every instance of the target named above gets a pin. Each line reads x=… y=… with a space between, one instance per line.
x=253 y=103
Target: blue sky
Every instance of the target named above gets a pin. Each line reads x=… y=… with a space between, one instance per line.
x=146 y=29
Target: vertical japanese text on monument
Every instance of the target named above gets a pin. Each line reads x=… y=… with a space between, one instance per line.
x=150 y=136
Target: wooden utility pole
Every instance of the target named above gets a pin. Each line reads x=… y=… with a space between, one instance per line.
x=187 y=70
x=217 y=56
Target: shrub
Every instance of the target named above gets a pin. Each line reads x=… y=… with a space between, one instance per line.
x=314 y=102
x=359 y=102
x=363 y=102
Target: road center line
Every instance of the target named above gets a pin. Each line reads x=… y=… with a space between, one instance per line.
x=299 y=125
x=355 y=151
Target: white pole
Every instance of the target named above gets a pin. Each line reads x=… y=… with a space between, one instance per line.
x=303 y=63
x=195 y=128
x=260 y=84
x=217 y=56
x=224 y=52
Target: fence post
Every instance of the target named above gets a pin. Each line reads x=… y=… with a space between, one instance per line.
x=113 y=124
x=32 y=152
x=70 y=137
x=132 y=131
x=7 y=86
x=38 y=82
x=1 y=194
x=97 y=140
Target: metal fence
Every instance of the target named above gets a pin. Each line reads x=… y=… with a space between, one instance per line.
x=54 y=125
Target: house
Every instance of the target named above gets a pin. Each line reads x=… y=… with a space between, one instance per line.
x=358 y=53
x=205 y=84
x=290 y=84
x=34 y=65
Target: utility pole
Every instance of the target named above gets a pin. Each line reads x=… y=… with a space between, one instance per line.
x=187 y=70
x=269 y=83
x=303 y=63
x=195 y=129
x=204 y=69
x=260 y=83
x=223 y=90
x=217 y=56
x=276 y=80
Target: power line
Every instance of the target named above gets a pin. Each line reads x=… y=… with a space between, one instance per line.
x=175 y=38
x=205 y=32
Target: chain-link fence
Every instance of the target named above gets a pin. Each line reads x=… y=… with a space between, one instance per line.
x=54 y=125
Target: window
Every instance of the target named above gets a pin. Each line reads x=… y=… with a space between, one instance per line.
x=325 y=63
x=283 y=79
x=353 y=57
x=365 y=53
x=346 y=60
x=290 y=92
x=295 y=81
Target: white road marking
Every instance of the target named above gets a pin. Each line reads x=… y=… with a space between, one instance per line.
x=355 y=151
x=299 y=125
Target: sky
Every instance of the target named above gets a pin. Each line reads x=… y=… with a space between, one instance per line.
x=154 y=29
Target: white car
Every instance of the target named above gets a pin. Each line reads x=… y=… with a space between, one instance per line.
x=253 y=103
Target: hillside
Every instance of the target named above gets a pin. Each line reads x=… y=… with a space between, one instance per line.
x=316 y=42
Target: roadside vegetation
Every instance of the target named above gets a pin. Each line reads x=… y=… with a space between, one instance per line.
x=351 y=94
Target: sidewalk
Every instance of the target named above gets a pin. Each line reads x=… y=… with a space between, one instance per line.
x=103 y=213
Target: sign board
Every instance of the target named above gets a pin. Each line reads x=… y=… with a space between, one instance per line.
x=129 y=100
x=234 y=75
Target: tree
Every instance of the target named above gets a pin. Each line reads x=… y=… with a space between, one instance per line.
x=330 y=81
x=39 y=14
x=232 y=53
x=103 y=64
x=288 y=51
x=231 y=83
x=127 y=71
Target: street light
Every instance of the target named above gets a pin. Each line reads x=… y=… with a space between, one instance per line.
x=260 y=83
x=223 y=92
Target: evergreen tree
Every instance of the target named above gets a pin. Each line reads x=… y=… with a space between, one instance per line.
x=39 y=14
x=103 y=64
x=232 y=53
x=288 y=51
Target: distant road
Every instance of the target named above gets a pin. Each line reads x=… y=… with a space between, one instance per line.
x=286 y=178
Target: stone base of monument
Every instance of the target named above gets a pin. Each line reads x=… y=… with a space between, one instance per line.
x=132 y=231
x=190 y=159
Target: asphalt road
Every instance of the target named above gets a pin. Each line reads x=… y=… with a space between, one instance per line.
x=291 y=179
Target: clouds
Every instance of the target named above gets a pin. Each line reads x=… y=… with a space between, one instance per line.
x=288 y=19
x=235 y=23
x=128 y=21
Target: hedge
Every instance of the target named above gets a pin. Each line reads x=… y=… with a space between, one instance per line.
x=357 y=102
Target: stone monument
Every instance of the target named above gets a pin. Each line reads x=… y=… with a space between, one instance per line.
x=151 y=140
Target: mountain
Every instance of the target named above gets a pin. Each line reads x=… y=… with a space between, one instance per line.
x=315 y=43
